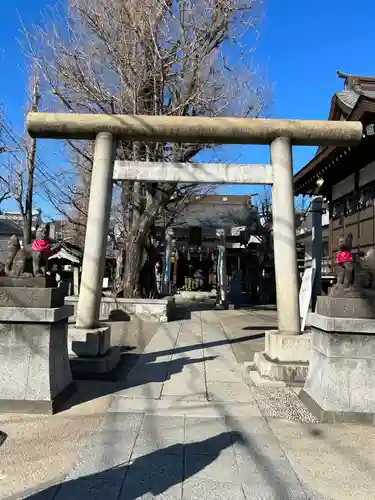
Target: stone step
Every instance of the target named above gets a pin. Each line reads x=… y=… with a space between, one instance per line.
x=288 y=372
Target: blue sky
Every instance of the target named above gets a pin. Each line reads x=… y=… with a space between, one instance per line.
x=302 y=45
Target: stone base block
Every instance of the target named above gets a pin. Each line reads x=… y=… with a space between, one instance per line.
x=287 y=348
x=33 y=315
x=34 y=362
x=285 y=358
x=257 y=380
x=347 y=307
x=334 y=417
x=196 y=295
x=287 y=372
x=11 y=296
x=88 y=342
x=249 y=366
x=119 y=309
x=96 y=367
x=341 y=377
x=28 y=281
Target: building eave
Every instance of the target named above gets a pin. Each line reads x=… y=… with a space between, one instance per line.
x=303 y=179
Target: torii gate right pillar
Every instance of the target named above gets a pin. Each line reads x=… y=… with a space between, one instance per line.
x=287 y=352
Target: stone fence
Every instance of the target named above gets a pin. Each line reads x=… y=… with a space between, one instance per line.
x=120 y=309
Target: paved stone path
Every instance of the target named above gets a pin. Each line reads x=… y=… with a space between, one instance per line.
x=186 y=426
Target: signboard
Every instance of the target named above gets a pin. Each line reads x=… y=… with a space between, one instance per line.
x=305 y=295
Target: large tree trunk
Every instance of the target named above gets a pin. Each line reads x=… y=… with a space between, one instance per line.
x=147 y=278
x=136 y=244
x=120 y=254
x=133 y=261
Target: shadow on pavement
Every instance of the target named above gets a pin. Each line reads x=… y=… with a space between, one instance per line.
x=256 y=328
x=183 y=310
x=151 y=474
x=3 y=437
x=164 y=471
x=153 y=371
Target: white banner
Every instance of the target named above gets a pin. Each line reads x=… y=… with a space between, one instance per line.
x=305 y=295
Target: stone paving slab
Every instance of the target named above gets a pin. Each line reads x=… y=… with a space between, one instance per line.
x=154 y=477
x=41 y=449
x=191 y=391
x=149 y=371
x=144 y=389
x=183 y=406
x=338 y=461
x=222 y=374
x=196 y=489
x=93 y=488
x=110 y=446
x=162 y=433
x=173 y=458
x=202 y=467
x=229 y=391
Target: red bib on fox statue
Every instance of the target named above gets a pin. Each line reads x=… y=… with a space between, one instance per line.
x=43 y=246
x=344 y=256
x=345 y=249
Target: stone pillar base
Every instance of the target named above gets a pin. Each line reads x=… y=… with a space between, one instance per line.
x=90 y=353
x=35 y=370
x=89 y=342
x=96 y=367
x=285 y=359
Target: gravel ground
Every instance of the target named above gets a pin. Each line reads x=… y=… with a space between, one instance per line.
x=282 y=403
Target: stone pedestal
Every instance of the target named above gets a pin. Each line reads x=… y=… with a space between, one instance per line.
x=35 y=370
x=284 y=361
x=341 y=380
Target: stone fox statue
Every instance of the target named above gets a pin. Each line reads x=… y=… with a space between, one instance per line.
x=345 y=261
x=32 y=259
x=354 y=272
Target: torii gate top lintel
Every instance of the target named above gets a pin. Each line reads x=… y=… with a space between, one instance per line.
x=217 y=130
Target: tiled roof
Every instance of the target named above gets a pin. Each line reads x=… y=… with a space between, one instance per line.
x=215 y=211
x=222 y=199
x=348 y=97
x=211 y=211
x=354 y=87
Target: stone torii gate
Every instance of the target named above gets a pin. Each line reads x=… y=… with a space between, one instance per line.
x=284 y=346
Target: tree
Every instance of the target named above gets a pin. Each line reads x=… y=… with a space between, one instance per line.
x=5 y=192
x=171 y=57
x=21 y=171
